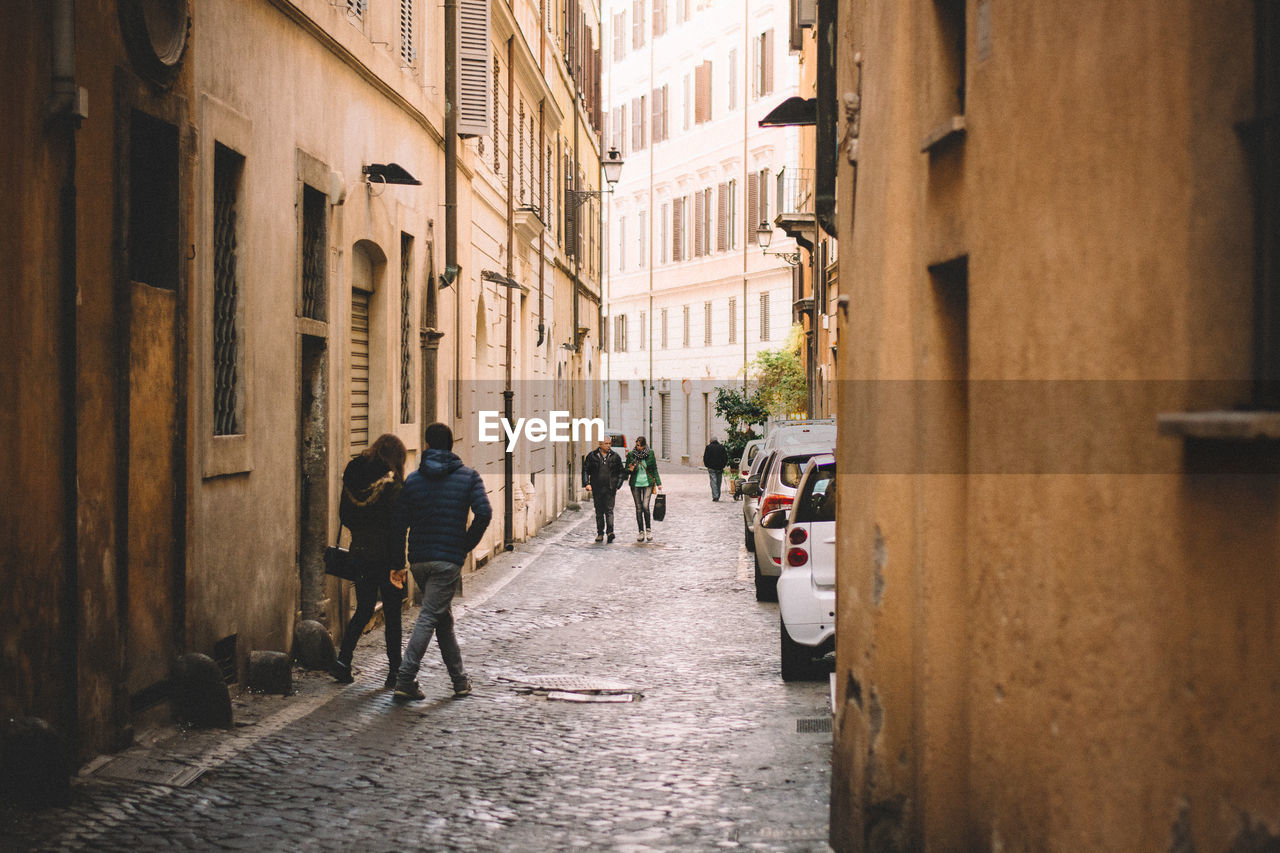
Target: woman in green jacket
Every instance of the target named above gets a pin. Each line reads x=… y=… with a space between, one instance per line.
x=642 y=470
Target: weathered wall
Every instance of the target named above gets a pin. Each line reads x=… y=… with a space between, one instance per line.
x=1069 y=647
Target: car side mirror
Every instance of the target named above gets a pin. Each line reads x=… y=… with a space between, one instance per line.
x=751 y=489
x=775 y=520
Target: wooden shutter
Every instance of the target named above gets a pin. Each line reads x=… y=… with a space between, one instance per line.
x=473 y=67
x=753 y=207
x=570 y=214
x=722 y=218
x=702 y=93
x=655 y=123
x=677 y=230
x=764 y=195
x=766 y=62
x=359 y=411
x=698 y=212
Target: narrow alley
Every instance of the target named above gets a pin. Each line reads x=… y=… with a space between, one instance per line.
x=715 y=752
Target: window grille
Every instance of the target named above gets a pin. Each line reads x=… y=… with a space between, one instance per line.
x=406 y=352
x=356 y=8
x=497 y=77
x=706 y=324
x=314 y=252
x=408 y=53
x=228 y=391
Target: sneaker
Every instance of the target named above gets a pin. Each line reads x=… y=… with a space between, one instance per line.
x=341 y=672
x=610 y=537
x=640 y=536
x=599 y=537
x=462 y=687
x=410 y=691
x=648 y=536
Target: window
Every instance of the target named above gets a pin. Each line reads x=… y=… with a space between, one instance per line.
x=684 y=340
x=699 y=215
x=620 y=333
x=619 y=35
x=732 y=224
x=642 y=227
x=753 y=207
x=688 y=102
x=356 y=8
x=1262 y=138
x=406 y=330
x=733 y=320
x=705 y=220
x=664 y=328
x=951 y=34
x=473 y=68
x=677 y=229
x=228 y=329
x=722 y=217
x=315 y=252
x=638 y=123
x=702 y=96
x=637 y=24
x=663 y=226
x=706 y=324
x=643 y=331
x=659 y=17
x=658 y=126
x=622 y=243
x=764 y=316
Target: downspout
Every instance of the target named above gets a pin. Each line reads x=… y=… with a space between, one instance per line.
x=451 y=189
x=65 y=114
x=508 y=394
x=543 y=213
x=576 y=201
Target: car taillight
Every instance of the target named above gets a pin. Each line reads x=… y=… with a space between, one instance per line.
x=772 y=502
x=797 y=557
x=797 y=536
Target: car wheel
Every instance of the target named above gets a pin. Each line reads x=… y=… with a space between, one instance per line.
x=748 y=539
x=797 y=660
x=766 y=587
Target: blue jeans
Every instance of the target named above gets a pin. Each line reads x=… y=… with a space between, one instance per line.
x=715 y=475
x=437 y=580
x=642 y=496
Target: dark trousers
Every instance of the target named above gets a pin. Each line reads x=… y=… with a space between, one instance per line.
x=374 y=581
x=603 y=499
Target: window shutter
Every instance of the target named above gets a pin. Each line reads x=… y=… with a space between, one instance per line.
x=767 y=62
x=733 y=79
x=733 y=320
x=698 y=212
x=677 y=230
x=702 y=110
x=706 y=324
x=655 y=123
x=570 y=215
x=473 y=68
x=722 y=218
x=753 y=207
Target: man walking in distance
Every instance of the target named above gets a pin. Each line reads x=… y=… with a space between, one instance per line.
x=433 y=505
x=602 y=475
x=714 y=458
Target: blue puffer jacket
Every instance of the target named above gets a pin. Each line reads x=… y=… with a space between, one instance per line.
x=434 y=503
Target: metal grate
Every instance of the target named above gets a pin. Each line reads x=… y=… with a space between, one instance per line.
x=813 y=725
x=228 y=410
x=314 y=248
x=406 y=354
x=153 y=771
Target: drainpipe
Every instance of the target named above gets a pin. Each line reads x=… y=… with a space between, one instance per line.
x=451 y=188
x=508 y=394
x=66 y=109
x=543 y=212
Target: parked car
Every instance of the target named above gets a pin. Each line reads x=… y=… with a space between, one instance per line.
x=619 y=439
x=749 y=452
x=751 y=500
x=807 y=585
x=806 y=432
x=776 y=489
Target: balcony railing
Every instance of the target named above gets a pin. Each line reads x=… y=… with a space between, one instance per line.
x=794 y=190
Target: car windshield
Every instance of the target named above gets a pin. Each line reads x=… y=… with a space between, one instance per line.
x=818 y=501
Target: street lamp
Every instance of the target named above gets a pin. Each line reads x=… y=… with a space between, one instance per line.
x=612 y=165
x=764 y=235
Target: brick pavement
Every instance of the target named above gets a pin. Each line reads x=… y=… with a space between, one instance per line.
x=708 y=759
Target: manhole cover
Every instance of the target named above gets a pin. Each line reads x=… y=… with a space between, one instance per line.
x=151 y=771
x=573 y=683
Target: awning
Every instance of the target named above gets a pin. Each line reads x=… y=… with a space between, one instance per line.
x=794 y=111
x=499 y=278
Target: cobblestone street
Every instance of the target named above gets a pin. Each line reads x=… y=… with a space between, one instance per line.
x=716 y=753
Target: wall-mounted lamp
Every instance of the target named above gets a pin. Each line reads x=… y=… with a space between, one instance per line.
x=389 y=173
x=612 y=165
x=450 y=274
x=764 y=235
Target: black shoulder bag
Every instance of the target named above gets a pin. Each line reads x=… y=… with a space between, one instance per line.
x=337 y=560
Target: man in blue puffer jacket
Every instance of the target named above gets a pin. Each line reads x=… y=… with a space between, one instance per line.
x=433 y=505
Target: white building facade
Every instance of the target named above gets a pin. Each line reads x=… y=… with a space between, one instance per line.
x=690 y=298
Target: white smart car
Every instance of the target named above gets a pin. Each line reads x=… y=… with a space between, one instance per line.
x=807 y=585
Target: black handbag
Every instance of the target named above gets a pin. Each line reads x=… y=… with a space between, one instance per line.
x=659 y=507
x=337 y=560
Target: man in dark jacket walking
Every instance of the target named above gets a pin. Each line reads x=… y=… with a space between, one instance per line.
x=433 y=506
x=602 y=475
x=714 y=458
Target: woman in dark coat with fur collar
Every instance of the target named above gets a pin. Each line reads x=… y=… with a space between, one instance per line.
x=371 y=487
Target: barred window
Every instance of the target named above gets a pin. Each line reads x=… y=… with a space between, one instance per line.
x=228 y=332
x=406 y=327
x=315 y=248
x=408 y=53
